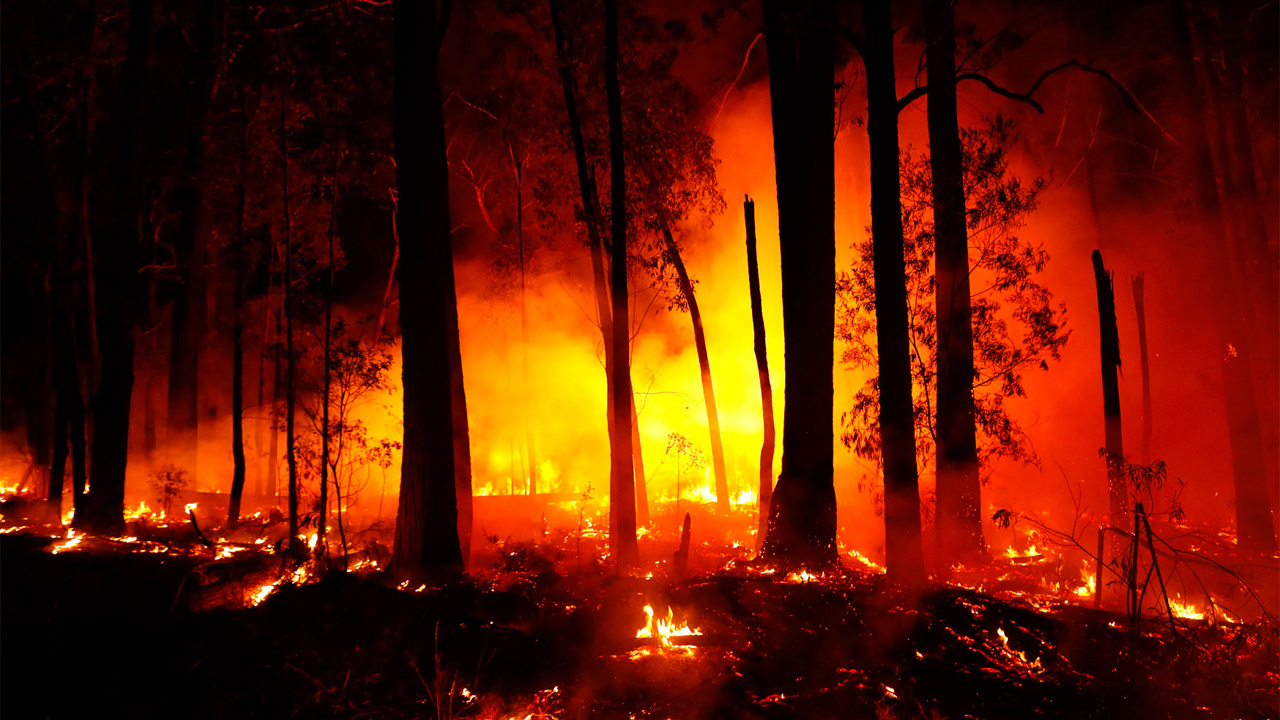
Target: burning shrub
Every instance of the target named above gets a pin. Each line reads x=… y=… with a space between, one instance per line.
x=168 y=481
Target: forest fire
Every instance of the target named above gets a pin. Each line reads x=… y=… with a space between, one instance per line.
x=383 y=359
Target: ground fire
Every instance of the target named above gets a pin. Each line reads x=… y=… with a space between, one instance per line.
x=608 y=359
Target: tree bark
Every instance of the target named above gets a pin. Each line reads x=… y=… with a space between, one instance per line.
x=426 y=540
x=704 y=366
x=237 y=345
x=321 y=526
x=958 y=515
x=1254 y=523
x=762 y=364
x=622 y=489
x=1117 y=484
x=802 y=516
x=1140 y=307
x=290 y=360
x=117 y=287
x=903 y=554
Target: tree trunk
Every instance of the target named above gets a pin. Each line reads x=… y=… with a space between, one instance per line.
x=903 y=555
x=290 y=391
x=531 y=447
x=321 y=526
x=762 y=363
x=426 y=540
x=1140 y=307
x=637 y=458
x=591 y=211
x=622 y=489
x=189 y=301
x=1117 y=484
x=802 y=516
x=1254 y=523
x=958 y=515
x=237 y=356
x=461 y=430
x=117 y=287
x=704 y=365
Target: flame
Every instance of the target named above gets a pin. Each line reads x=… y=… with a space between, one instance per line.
x=262 y=594
x=1033 y=665
x=871 y=564
x=803 y=576
x=1032 y=552
x=73 y=540
x=1090 y=586
x=665 y=628
x=190 y=507
x=1187 y=611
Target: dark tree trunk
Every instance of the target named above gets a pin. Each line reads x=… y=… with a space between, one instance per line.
x=762 y=364
x=704 y=365
x=426 y=541
x=290 y=360
x=802 y=515
x=1117 y=484
x=277 y=397
x=189 y=300
x=958 y=516
x=637 y=458
x=591 y=211
x=322 y=524
x=903 y=555
x=1254 y=523
x=117 y=287
x=1140 y=307
x=237 y=344
x=622 y=489
x=66 y=383
x=461 y=429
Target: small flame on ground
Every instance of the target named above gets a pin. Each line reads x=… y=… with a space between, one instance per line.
x=665 y=628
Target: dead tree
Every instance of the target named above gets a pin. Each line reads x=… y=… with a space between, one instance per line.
x=1110 y=344
x=762 y=364
x=1140 y=307
x=704 y=366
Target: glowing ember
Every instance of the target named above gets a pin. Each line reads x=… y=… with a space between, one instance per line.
x=665 y=629
x=190 y=507
x=868 y=562
x=262 y=594
x=803 y=576
x=73 y=540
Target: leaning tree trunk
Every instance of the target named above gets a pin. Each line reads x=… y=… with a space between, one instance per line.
x=426 y=540
x=117 y=287
x=762 y=363
x=1117 y=483
x=802 y=516
x=622 y=488
x=1254 y=523
x=903 y=555
x=704 y=365
x=958 y=515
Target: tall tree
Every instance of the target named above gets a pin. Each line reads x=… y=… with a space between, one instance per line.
x=1109 y=338
x=765 y=494
x=622 y=488
x=958 y=514
x=426 y=540
x=117 y=290
x=237 y=332
x=903 y=554
x=802 y=514
x=1235 y=348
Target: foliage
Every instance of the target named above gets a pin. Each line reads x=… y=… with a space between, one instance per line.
x=1016 y=324
x=168 y=481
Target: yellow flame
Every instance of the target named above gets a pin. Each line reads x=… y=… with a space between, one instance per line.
x=664 y=628
x=803 y=576
x=1186 y=611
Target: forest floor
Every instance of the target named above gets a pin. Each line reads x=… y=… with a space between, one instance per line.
x=165 y=627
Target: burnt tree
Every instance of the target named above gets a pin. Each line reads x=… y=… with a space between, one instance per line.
x=622 y=489
x=426 y=540
x=903 y=554
x=1109 y=339
x=958 y=515
x=762 y=364
x=802 y=514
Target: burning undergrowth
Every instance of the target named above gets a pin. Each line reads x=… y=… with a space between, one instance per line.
x=239 y=628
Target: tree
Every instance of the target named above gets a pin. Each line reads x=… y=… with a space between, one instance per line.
x=426 y=540
x=622 y=489
x=762 y=364
x=802 y=516
x=958 y=515
x=903 y=554
x=1016 y=324
x=116 y=285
